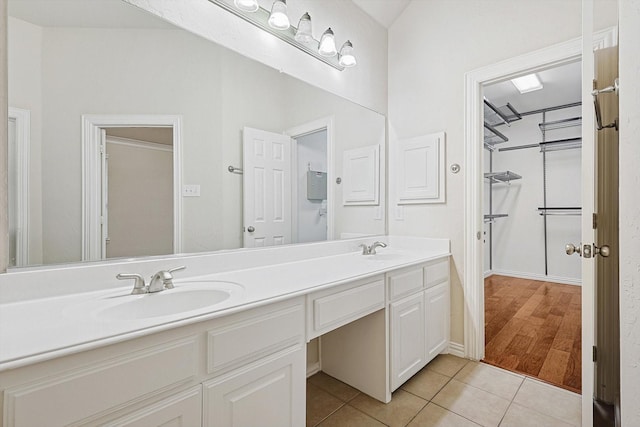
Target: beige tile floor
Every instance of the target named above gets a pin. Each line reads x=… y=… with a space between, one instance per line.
x=448 y=392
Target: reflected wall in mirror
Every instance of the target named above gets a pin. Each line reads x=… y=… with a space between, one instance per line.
x=75 y=58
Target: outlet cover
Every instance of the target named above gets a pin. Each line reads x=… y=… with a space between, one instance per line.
x=191 y=190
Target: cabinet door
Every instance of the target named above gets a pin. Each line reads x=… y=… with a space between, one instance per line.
x=181 y=410
x=268 y=393
x=437 y=309
x=407 y=338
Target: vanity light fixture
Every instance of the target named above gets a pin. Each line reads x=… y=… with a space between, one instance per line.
x=276 y=22
x=247 y=5
x=327 y=45
x=528 y=83
x=278 y=18
x=347 y=59
x=303 y=34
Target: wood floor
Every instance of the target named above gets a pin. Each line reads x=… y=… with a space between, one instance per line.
x=533 y=327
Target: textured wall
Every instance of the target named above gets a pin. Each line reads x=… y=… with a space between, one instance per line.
x=629 y=211
x=4 y=234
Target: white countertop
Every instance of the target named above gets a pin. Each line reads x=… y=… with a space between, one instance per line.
x=40 y=329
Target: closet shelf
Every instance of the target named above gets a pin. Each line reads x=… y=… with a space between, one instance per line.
x=492 y=136
x=560 y=124
x=493 y=217
x=499 y=115
x=567 y=211
x=506 y=176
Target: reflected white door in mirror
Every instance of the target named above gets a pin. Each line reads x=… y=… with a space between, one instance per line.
x=132 y=175
x=267 y=188
x=18 y=186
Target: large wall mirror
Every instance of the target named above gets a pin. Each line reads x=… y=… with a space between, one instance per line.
x=126 y=139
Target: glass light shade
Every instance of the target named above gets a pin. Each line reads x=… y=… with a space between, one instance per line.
x=246 y=5
x=278 y=18
x=303 y=34
x=347 y=59
x=327 y=44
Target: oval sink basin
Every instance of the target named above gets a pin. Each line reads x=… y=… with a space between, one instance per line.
x=189 y=298
x=164 y=303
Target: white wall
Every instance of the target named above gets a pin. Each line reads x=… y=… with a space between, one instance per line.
x=311 y=154
x=365 y=84
x=25 y=83
x=518 y=240
x=629 y=211
x=431 y=46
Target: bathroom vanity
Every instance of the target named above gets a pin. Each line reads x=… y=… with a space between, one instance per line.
x=103 y=358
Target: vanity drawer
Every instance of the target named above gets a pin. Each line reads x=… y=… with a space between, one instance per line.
x=332 y=308
x=436 y=272
x=242 y=338
x=80 y=393
x=404 y=282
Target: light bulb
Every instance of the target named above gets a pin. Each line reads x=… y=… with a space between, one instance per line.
x=278 y=18
x=303 y=34
x=246 y=5
x=327 y=45
x=347 y=59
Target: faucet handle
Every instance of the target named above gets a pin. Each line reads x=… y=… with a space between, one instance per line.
x=365 y=249
x=182 y=267
x=168 y=284
x=139 y=287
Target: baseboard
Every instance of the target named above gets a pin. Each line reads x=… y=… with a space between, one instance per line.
x=488 y=273
x=541 y=277
x=456 y=349
x=313 y=369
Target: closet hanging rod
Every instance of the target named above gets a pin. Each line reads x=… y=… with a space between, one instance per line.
x=577 y=211
x=233 y=169
x=543 y=144
x=558 y=107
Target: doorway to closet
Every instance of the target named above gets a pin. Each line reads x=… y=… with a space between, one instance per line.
x=532 y=200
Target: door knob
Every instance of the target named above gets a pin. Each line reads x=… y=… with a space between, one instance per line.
x=604 y=251
x=571 y=249
x=251 y=229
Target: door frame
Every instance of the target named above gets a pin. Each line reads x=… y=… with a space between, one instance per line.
x=324 y=123
x=23 y=168
x=92 y=126
x=473 y=280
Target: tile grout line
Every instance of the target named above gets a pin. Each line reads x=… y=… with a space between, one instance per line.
x=328 y=415
x=511 y=401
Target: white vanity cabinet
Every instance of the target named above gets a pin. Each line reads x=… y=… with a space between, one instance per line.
x=211 y=373
x=437 y=307
x=418 y=317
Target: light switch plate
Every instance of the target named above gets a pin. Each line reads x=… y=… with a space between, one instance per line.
x=191 y=190
x=377 y=213
x=399 y=213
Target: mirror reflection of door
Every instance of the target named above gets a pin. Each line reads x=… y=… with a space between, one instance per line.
x=266 y=188
x=18 y=194
x=138 y=192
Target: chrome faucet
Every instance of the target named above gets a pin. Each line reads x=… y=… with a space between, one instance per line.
x=371 y=250
x=160 y=281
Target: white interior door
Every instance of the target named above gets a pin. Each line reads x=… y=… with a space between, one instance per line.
x=266 y=188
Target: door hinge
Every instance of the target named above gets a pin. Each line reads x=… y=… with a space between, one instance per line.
x=101 y=148
x=594 y=356
x=594 y=221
